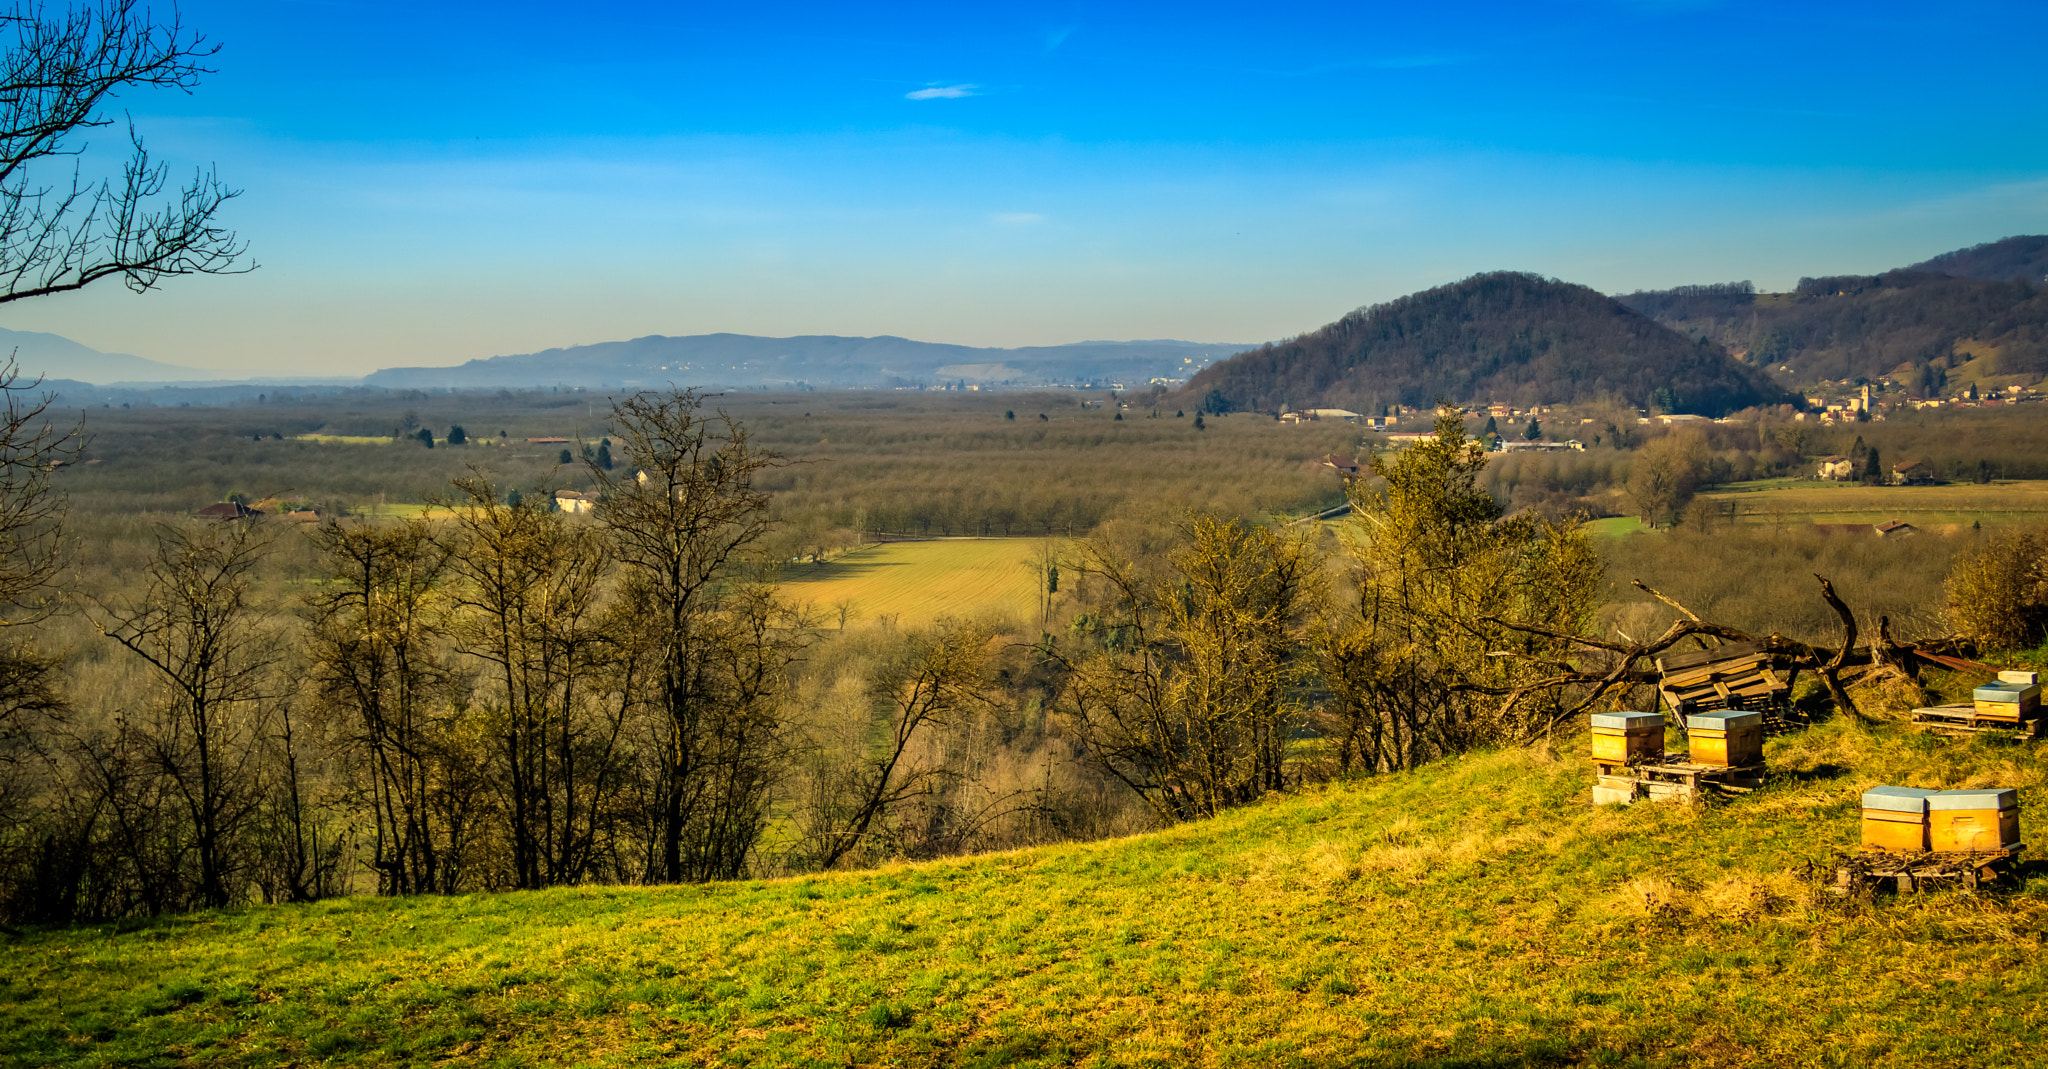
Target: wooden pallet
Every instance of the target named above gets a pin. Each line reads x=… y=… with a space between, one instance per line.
x=1673 y=778
x=1962 y=720
x=1736 y=676
x=1882 y=870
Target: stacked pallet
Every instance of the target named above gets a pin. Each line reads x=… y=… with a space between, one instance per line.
x=1630 y=762
x=1736 y=676
x=1912 y=836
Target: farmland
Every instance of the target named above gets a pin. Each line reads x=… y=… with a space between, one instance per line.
x=914 y=583
x=1474 y=912
x=1805 y=501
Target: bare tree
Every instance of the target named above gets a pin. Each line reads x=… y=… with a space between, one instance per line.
x=376 y=657
x=529 y=585
x=195 y=629
x=681 y=524
x=59 y=74
x=32 y=448
x=1193 y=689
x=929 y=681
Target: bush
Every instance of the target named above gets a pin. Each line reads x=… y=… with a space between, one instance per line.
x=1997 y=596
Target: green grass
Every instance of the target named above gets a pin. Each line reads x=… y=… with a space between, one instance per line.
x=1475 y=913
x=1615 y=526
x=1807 y=501
x=915 y=583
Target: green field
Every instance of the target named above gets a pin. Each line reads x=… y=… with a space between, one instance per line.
x=1615 y=526
x=1804 y=501
x=914 y=583
x=1478 y=912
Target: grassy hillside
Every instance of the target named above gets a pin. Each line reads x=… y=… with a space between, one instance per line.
x=914 y=583
x=1479 y=912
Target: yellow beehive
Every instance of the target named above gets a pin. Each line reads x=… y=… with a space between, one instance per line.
x=1628 y=737
x=1895 y=819
x=1977 y=821
x=1727 y=738
x=2009 y=701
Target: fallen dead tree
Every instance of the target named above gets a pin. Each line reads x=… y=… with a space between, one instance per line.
x=1604 y=668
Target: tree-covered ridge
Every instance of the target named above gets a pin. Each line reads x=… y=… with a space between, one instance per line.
x=1505 y=336
x=2021 y=257
x=1911 y=324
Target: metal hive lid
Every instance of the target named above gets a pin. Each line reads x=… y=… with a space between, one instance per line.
x=1628 y=721
x=1981 y=798
x=1898 y=799
x=1724 y=720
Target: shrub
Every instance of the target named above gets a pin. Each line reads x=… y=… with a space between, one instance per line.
x=1997 y=596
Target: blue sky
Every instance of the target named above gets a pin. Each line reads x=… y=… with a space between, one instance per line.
x=428 y=183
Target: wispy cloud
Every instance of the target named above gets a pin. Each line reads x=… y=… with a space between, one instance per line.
x=942 y=92
x=1056 y=38
x=1017 y=218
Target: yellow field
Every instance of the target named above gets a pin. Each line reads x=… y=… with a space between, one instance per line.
x=914 y=583
x=345 y=439
x=1814 y=501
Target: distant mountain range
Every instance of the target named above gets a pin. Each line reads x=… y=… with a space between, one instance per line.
x=53 y=356
x=1973 y=316
x=816 y=361
x=1505 y=336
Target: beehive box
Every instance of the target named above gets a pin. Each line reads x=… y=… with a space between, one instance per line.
x=1976 y=821
x=2007 y=701
x=1895 y=819
x=1628 y=737
x=1728 y=738
x=2021 y=676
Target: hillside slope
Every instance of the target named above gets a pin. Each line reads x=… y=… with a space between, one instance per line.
x=1498 y=337
x=2022 y=257
x=1478 y=912
x=1915 y=325
x=53 y=356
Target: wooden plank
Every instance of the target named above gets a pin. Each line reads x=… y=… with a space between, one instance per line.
x=1671 y=661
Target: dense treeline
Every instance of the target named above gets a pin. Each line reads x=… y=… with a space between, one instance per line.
x=1506 y=337
x=907 y=464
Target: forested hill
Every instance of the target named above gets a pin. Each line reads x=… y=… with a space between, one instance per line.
x=2022 y=257
x=1965 y=316
x=1506 y=336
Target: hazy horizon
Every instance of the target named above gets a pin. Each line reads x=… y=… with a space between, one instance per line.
x=434 y=184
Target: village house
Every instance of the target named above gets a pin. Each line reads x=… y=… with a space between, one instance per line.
x=575 y=501
x=1912 y=473
x=1838 y=468
x=1895 y=529
x=1344 y=466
